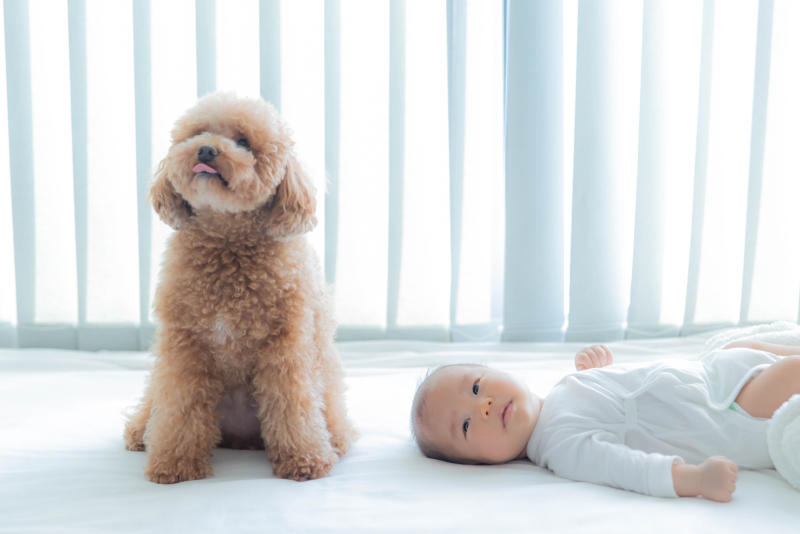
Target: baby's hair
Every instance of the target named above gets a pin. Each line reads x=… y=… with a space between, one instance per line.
x=426 y=446
x=417 y=411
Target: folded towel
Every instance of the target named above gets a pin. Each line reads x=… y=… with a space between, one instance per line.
x=783 y=440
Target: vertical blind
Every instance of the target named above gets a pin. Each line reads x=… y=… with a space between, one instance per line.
x=486 y=170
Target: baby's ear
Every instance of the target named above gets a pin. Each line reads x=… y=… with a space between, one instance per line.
x=169 y=205
x=291 y=211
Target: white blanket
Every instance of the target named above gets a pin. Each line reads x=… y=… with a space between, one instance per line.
x=63 y=466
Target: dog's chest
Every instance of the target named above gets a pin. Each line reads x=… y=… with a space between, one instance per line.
x=239 y=298
x=222 y=332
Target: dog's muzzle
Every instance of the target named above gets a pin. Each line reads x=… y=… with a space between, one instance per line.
x=202 y=168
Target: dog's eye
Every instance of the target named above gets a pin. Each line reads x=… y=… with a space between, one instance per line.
x=243 y=143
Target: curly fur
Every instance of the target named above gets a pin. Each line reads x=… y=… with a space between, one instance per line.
x=244 y=351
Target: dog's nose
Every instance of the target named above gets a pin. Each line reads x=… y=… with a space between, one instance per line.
x=206 y=153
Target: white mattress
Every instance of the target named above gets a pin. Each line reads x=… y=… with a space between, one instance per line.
x=63 y=466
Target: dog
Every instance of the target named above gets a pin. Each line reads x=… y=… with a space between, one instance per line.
x=244 y=347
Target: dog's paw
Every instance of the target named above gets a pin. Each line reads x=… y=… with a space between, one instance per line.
x=134 y=438
x=304 y=467
x=137 y=446
x=342 y=440
x=177 y=470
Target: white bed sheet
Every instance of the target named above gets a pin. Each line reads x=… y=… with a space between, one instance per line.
x=63 y=466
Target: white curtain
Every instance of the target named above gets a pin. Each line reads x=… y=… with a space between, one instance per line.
x=519 y=170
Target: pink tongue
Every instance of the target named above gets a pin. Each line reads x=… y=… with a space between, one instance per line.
x=202 y=167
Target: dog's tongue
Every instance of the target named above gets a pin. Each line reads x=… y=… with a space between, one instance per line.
x=202 y=167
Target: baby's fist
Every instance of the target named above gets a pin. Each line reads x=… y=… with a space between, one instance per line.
x=718 y=478
x=594 y=356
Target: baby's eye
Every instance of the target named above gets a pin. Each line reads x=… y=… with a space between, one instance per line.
x=475 y=387
x=243 y=143
x=465 y=427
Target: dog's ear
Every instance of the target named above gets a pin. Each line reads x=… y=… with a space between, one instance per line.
x=291 y=211
x=169 y=205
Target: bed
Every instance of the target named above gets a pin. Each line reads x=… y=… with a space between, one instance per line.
x=63 y=466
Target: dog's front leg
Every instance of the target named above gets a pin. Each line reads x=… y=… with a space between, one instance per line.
x=182 y=430
x=137 y=422
x=290 y=402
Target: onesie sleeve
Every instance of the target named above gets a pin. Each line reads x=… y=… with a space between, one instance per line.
x=600 y=458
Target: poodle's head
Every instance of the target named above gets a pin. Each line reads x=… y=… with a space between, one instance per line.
x=233 y=155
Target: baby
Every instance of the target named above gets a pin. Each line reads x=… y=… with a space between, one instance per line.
x=672 y=428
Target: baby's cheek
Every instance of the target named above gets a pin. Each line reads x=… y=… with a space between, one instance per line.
x=497 y=448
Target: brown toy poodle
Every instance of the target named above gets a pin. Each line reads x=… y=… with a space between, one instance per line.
x=244 y=351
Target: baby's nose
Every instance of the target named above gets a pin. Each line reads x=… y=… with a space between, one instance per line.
x=486 y=406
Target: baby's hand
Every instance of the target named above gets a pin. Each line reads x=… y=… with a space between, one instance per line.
x=718 y=478
x=594 y=356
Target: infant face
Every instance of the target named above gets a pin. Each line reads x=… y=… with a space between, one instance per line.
x=479 y=414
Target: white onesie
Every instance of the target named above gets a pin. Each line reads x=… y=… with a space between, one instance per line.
x=625 y=427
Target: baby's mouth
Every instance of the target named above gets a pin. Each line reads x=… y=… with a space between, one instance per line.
x=202 y=168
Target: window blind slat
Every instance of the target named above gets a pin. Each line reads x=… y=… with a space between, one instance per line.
x=606 y=131
x=701 y=159
x=397 y=81
x=236 y=31
x=20 y=139
x=477 y=174
x=56 y=301
x=425 y=247
x=534 y=237
x=759 y=130
x=646 y=277
x=112 y=267
x=8 y=304
x=667 y=123
x=206 y=38
x=726 y=177
x=269 y=14
x=359 y=165
x=144 y=143
x=332 y=135
x=456 y=79
x=80 y=151
x=775 y=283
